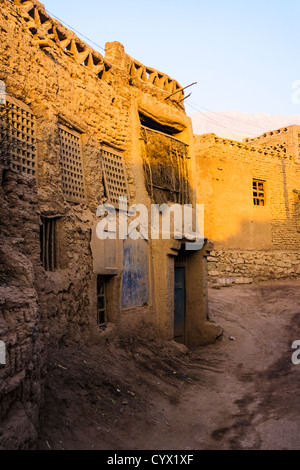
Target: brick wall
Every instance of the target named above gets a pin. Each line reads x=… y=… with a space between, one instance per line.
x=285 y=140
x=240 y=230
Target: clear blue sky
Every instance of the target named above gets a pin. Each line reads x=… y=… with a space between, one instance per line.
x=245 y=55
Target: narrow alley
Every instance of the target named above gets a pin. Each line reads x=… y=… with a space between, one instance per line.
x=240 y=393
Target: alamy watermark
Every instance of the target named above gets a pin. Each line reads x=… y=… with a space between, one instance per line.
x=2 y=93
x=2 y=353
x=296 y=93
x=296 y=354
x=136 y=223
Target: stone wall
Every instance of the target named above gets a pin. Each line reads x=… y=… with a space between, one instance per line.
x=230 y=267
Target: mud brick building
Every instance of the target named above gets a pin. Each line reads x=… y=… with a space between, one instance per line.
x=251 y=193
x=79 y=130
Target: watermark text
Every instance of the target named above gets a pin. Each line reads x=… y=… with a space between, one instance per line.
x=178 y=222
x=296 y=354
x=2 y=353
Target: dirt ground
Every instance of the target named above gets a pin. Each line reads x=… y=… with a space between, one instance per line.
x=234 y=394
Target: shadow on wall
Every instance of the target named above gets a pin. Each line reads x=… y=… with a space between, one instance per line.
x=248 y=234
x=258 y=252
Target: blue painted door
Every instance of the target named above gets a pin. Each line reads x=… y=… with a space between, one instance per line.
x=179 y=305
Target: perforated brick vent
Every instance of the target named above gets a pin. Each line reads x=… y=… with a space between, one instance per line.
x=114 y=174
x=71 y=161
x=21 y=130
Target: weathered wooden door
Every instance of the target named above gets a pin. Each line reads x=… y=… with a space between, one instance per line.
x=179 y=304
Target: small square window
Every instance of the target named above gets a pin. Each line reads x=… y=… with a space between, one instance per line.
x=259 y=192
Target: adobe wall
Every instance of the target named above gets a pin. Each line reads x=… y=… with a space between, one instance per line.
x=199 y=330
x=45 y=79
x=59 y=77
x=285 y=140
x=103 y=104
x=251 y=242
x=62 y=80
x=21 y=379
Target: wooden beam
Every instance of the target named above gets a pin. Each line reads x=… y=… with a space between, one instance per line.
x=184 y=98
x=180 y=89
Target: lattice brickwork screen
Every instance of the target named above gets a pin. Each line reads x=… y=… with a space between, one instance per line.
x=71 y=161
x=114 y=174
x=22 y=133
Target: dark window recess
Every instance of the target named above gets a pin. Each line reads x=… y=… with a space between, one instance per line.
x=259 y=193
x=49 y=243
x=156 y=126
x=165 y=168
x=181 y=258
x=101 y=301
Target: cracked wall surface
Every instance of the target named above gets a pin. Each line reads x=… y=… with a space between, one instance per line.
x=71 y=108
x=21 y=379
